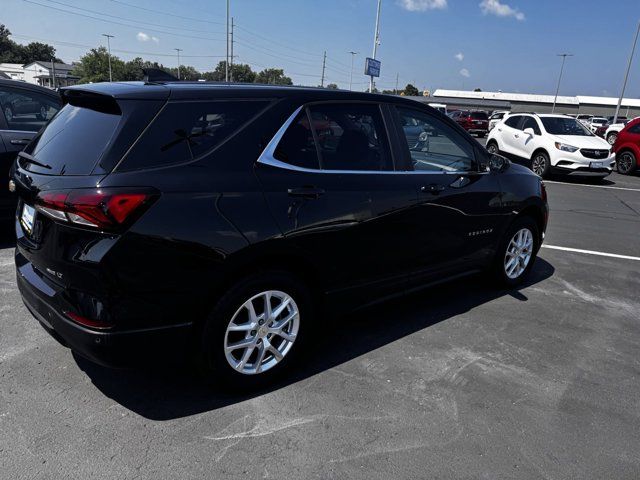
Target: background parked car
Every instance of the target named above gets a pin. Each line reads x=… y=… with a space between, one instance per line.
x=474 y=122
x=595 y=122
x=496 y=117
x=25 y=108
x=627 y=148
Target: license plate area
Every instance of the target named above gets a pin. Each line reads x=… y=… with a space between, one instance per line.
x=597 y=164
x=27 y=218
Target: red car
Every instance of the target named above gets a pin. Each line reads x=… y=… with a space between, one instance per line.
x=627 y=148
x=472 y=121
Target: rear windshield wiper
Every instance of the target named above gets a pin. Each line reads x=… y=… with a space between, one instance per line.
x=31 y=159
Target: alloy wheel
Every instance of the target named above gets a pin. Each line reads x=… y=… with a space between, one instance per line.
x=261 y=332
x=539 y=164
x=611 y=139
x=492 y=149
x=518 y=254
x=625 y=162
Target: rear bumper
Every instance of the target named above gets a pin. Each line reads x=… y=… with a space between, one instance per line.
x=108 y=348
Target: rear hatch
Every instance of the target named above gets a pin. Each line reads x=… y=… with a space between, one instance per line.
x=479 y=119
x=64 y=219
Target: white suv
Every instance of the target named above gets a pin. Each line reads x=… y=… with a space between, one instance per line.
x=549 y=143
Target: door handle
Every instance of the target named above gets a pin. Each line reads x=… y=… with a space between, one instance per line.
x=22 y=141
x=434 y=188
x=516 y=135
x=306 y=192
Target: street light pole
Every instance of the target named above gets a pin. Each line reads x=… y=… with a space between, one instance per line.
x=226 y=65
x=555 y=99
x=376 y=41
x=178 y=50
x=626 y=75
x=353 y=54
x=109 y=53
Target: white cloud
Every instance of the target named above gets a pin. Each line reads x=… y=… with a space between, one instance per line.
x=422 y=5
x=494 y=7
x=143 y=37
x=459 y=56
x=465 y=73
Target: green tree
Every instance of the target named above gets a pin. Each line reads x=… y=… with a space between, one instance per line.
x=12 y=52
x=94 y=67
x=239 y=73
x=411 y=91
x=273 y=76
x=332 y=86
x=477 y=89
x=187 y=72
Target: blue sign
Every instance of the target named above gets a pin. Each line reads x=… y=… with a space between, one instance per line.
x=372 y=67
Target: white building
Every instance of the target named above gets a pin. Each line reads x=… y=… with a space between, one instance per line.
x=49 y=74
x=12 y=71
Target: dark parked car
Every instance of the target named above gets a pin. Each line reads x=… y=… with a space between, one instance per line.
x=24 y=109
x=213 y=221
x=474 y=122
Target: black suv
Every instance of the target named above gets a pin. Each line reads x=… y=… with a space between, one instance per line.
x=221 y=220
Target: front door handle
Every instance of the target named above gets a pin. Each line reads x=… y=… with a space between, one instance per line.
x=434 y=188
x=22 y=141
x=306 y=192
x=516 y=135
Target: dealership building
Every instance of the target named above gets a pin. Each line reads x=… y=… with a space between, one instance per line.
x=525 y=102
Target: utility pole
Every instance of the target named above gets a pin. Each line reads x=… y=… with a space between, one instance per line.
x=376 y=41
x=555 y=99
x=353 y=54
x=226 y=64
x=397 y=78
x=109 y=53
x=231 y=70
x=626 y=75
x=53 y=72
x=324 y=62
x=178 y=50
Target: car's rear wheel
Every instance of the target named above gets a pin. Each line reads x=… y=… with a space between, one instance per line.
x=611 y=138
x=256 y=330
x=540 y=164
x=492 y=148
x=517 y=252
x=626 y=162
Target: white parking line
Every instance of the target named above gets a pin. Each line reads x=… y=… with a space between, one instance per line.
x=594 y=186
x=591 y=252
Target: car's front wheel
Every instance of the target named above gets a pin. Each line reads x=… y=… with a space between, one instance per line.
x=517 y=252
x=626 y=162
x=540 y=164
x=611 y=138
x=492 y=148
x=256 y=330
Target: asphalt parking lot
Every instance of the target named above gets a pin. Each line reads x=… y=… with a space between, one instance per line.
x=462 y=381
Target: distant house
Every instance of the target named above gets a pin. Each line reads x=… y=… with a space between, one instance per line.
x=50 y=74
x=12 y=71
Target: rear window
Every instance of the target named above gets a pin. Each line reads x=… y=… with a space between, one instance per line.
x=479 y=115
x=74 y=141
x=187 y=130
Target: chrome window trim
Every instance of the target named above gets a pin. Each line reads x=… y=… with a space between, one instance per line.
x=267 y=158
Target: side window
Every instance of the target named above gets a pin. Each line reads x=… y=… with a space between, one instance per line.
x=513 y=121
x=530 y=122
x=186 y=130
x=434 y=145
x=26 y=110
x=635 y=128
x=297 y=146
x=351 y=137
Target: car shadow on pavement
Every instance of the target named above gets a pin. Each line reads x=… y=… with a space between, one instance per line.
x=164 y=394
x=7 y=235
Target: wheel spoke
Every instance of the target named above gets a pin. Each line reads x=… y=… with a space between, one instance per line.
x=245 y=358
x=267 y=305
x=262 y=350
x=283 y=323
x=243 y=327
x=289 y=337
x=247 y=342
x=280 y=308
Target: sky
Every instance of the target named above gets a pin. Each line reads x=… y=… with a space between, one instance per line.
x=507 y=45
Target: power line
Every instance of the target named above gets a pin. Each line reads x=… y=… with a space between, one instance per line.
x=159 y=12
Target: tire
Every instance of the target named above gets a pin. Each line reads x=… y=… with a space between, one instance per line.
x=540 y=164
x=233 y=309
x=626 y=162
x=611 y=138
x=502 y=268
x=492 y=148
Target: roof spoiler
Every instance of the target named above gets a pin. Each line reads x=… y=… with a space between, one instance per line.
x=152 y=75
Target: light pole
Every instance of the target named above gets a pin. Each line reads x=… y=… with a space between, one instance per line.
x=109 y=54
x=226 y=65
x=376 y=41
x=555 y=99
x=178 y=50
x=353 y=54
x=626 y=75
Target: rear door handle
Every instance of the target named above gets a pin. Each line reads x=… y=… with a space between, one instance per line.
x=22 y=141
x=306 y=192
x=434 y=188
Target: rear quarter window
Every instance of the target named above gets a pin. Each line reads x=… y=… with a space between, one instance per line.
x=184 y=131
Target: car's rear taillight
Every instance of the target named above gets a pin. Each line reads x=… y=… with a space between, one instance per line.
x=87 y=322
x=102 y=208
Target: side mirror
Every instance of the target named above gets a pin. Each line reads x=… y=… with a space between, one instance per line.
x=529 y=131
x=498 y=163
